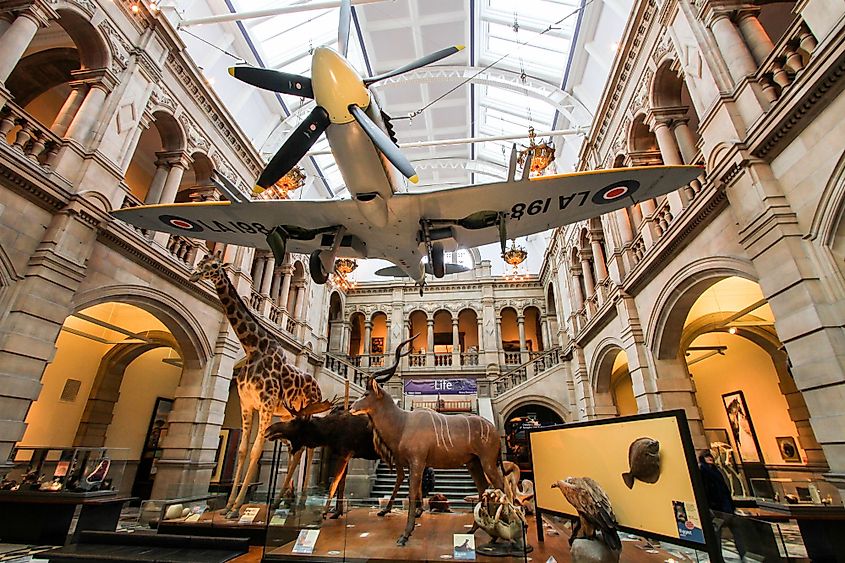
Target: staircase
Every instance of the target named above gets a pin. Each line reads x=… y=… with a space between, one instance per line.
x=454 y=483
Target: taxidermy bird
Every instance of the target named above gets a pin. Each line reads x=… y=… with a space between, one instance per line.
x=594 y=510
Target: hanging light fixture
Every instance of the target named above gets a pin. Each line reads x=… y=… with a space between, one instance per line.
x=514 y=257
x=291 y=181
x=543 y=157
x=341 y=277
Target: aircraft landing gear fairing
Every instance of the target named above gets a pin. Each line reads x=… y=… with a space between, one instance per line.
x=315 y=265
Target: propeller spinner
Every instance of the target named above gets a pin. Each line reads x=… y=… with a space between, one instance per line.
x=342 y=96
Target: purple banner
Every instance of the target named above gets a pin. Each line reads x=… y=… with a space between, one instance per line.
x=451 y=386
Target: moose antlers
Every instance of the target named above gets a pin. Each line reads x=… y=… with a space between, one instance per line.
x=384 y=375
x=312 y=408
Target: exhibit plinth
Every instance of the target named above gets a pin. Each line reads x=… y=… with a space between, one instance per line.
x=252 y=524
x=361 y=535
x=44 y=518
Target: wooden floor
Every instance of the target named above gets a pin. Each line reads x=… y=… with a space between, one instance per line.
x=363 y=536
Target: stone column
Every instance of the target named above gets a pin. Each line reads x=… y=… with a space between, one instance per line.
x=267 y=274
x=685 y=138
x=456 y=339
x=626 y=234
x=387 y=326
x=70 y=108
x=259 y=261
x=300 y=303
x=368 y=331
x=157 y=184
x=84 y=122
x=578 y=297
x=16 y=39
x=598 y=256
x=478 y=335
x=734 y=51
x=178 y=165
x=544 y=324
x=285 y=292
x=587 y=272
x=670 y=153
x=275 y=281
x=755 y=36
x=429 y=345
x=500 y=348
x=523 y=351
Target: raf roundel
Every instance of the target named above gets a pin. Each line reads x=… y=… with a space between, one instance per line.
x=615 y=191
x=180 y=223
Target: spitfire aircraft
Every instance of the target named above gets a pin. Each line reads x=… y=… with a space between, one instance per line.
x=382 y=218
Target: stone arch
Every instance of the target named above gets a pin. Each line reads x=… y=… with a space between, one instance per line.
x=94 y=49
x=533 y=321
x=356 y=334
x=831 y=207
x=524 y=400
x=42 y=71
x=182 y=324
x=666 y=322
x=619 y=161
x=639 y=136
x=171 y=132
x=105 y=390
x=602 y=364
x=666 y=85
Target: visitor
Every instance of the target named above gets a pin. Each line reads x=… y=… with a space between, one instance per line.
x=719 y=501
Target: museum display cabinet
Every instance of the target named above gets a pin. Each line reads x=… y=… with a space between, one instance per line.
x=40 y=494
x=298 y=530
x=75 y=471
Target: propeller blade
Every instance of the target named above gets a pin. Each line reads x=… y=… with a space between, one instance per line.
x=302 y=138
x=343 y=27
x=426 y=60
x=384 y=144
x=274 y=80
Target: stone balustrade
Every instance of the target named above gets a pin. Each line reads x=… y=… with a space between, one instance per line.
x=789 y=57
x=443 y=359
x=539 y=363
x=184 y=249
x=25 y=134
x=256 y=301
x=345 y=370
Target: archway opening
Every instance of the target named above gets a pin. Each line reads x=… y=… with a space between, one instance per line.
x=755 y=419
x=334 y=334
x=356 y=337
x=533 y=330
x=378 y=339
x=510 y=337
x=621 y=386
x=111 y=385
x=468 y=335
x=517 y=425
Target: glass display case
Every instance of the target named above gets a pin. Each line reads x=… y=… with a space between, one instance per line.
x=801 y=489
x=67 y=471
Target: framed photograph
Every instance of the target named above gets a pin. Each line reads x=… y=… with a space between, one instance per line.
x=741 y=427
x=788 y=449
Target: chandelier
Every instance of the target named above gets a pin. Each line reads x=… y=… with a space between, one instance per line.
x=544 y=154
x=291 y=181
x=343 y=267
x=515 y=256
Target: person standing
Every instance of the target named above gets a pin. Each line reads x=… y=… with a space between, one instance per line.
x=719 y=501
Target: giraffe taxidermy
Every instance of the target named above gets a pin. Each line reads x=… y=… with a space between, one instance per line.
x=267 y=383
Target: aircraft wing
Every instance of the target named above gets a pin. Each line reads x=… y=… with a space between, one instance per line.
x=247 y=224
x=547 y=201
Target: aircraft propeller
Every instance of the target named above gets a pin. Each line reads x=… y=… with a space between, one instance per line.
x=307 y=133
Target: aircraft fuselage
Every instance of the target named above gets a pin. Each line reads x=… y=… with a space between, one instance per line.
x=370 y=178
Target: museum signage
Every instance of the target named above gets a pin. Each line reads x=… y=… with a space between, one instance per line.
x=441 y=386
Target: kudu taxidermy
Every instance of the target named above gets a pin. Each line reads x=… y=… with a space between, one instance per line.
x=424 y=438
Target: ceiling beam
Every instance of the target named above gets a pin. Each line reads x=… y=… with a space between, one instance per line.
x=241 y=16
x=467 y=140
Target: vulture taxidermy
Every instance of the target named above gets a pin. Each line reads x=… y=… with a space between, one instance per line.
x=594 y=510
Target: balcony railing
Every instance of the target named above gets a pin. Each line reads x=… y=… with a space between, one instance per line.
x=469 y=358
x=443 y=359
x=444 y=406
x=345 y=370
x=416 y=360
x=787 y=60
x=24 y=133
x=530 y=369
x=513 y=358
